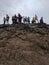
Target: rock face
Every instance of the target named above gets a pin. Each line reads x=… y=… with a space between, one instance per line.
x=24 y=44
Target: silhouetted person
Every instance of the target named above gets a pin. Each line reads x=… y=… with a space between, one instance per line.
x=4 y=20
x=36 y=18
x=28 y=19
x=14 y=19
x=41 y=20
x=24 y=19
x=19 y=18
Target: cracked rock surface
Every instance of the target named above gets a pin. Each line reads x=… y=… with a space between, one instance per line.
x=24 y=44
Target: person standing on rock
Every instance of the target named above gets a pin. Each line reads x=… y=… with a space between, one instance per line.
x=36 y=18
x=28 y=19
x=41 y=20
x=7 y=19
x=19 y=18
x=14 y=19
x=4 y=20
x=33 y=20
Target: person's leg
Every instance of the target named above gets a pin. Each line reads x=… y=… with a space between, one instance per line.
x=4 y=22
x=16 y=21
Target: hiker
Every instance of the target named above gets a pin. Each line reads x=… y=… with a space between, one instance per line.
x=33 y=20
x=4 y=20
x=25 y=19
x=28 y=19
x=36 y=18
x=41 y=20
x=7 y=19
x=19 y=18
x=14 y=19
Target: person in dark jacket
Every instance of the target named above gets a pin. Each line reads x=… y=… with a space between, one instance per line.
x=4 y=20
x=19 y=18
x=28 y=19
x=41 y=20
x=14 y=19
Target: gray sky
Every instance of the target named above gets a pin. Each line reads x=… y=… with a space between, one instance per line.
x=25 y=7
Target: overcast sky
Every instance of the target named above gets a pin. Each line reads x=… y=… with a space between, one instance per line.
x=25 y=7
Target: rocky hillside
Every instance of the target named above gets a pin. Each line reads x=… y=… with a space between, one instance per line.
x=24 y=44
